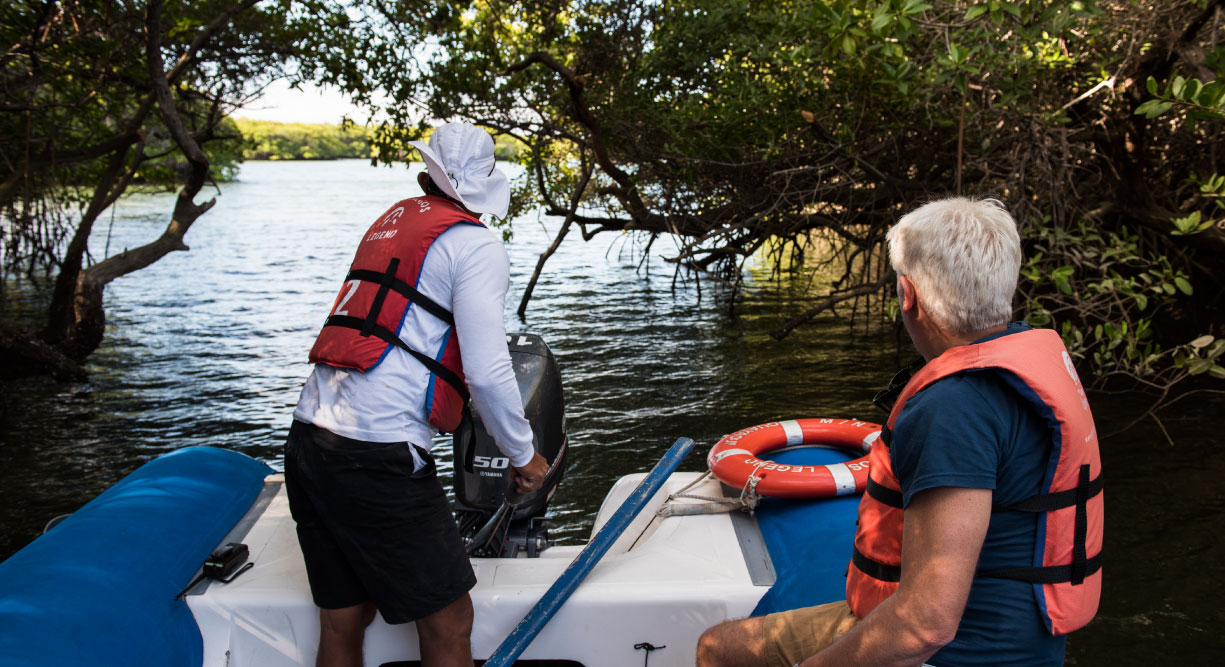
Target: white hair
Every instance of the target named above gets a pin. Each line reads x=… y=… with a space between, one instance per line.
x=964 y=257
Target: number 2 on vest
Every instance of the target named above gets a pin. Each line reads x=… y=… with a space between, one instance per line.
x=345 y=299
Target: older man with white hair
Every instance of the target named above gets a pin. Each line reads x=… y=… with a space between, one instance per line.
x=415 y=329
x=979 y=537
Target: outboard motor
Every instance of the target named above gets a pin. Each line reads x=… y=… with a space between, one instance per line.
x=495 y=520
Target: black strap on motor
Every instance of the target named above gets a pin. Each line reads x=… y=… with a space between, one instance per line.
x=387 y=336
x=876 y=569
x=465 y=422
x=376 y=306
x=404 y=289
x=883 y=494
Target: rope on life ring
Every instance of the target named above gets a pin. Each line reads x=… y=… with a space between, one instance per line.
x=736 y=460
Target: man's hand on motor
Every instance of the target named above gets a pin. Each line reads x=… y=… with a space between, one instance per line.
x=531 y=476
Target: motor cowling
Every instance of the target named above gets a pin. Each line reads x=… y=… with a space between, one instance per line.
x=482 y=471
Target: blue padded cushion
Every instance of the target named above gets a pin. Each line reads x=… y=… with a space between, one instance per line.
x=809 y=541
x=98 y=588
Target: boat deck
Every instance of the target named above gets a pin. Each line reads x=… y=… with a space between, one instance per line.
x=663 y=582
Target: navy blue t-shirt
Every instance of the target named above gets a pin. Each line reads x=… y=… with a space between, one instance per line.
x=974 y=430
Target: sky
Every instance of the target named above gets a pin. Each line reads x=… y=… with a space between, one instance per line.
x=311 y=104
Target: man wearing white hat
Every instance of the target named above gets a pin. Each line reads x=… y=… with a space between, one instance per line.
x=415 y=330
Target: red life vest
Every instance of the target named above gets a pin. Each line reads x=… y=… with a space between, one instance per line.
x=378 y=291
x=1066 y=570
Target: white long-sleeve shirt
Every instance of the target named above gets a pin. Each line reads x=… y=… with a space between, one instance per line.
x=466 y=271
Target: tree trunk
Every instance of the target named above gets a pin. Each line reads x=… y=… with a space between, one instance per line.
x=61 y=325
x=23 y=355
x=77 y=319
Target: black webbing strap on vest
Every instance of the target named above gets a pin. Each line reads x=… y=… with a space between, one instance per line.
x=368 y=326
x=383 y=334
x=1080 y=557
x=400 y=287
x=1051 y=574
x=883 y=494
x=376 y=306
x=1049 y=502
x=875 y=569
x=1080 y=568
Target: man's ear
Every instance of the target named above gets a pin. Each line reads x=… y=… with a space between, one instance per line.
x=906 y=294
x=423 y=179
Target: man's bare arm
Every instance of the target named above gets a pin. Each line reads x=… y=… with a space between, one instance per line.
x=943 y=534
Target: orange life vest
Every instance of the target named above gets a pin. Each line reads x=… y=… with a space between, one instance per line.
x=1066 y=570
x=378 y=291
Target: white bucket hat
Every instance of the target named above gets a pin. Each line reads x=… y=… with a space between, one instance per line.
x=460 y=161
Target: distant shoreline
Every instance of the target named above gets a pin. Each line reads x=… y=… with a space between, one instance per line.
x=282 y=142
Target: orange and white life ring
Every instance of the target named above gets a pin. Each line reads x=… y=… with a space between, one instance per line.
x=736 y=459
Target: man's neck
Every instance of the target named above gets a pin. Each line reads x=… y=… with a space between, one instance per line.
x=940 y=341
x=454 y=202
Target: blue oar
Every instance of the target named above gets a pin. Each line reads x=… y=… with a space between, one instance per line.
x=531 y=625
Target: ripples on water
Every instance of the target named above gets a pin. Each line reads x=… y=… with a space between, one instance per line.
x=208 y=347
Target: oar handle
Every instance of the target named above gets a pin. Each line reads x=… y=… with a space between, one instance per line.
x=531 y=625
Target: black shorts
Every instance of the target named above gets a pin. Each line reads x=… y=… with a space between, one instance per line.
x=371 y=529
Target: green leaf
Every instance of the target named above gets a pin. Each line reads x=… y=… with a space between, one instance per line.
x=1153 y=108
x=1183 y=285
x=978 y=10
x=882 y=21
x=1146 y=107
x=1217 y=372
x=1191 y=94
x=1216 y=349
x=1141 y=301
x=1186 y=224
x=1151 y=84
x=1202 y=341
x=1199 y=366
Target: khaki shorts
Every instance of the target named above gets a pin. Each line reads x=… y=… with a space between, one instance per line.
x=793 y=636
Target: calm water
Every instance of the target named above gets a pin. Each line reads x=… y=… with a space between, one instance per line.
x=208 y=347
